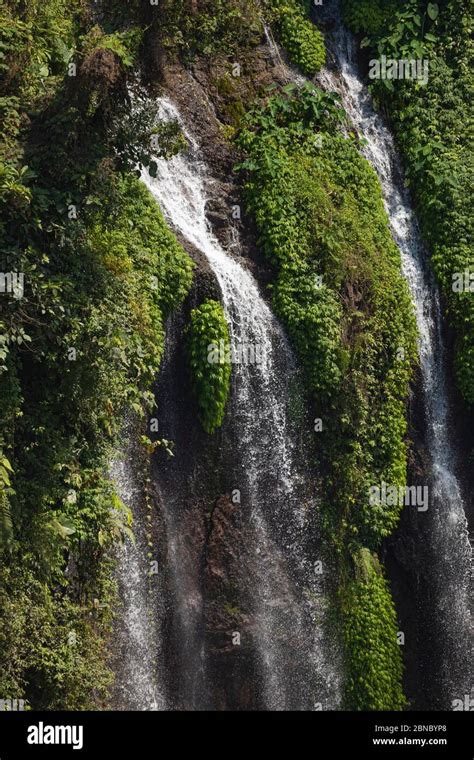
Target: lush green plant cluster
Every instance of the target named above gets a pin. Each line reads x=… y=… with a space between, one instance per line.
x=79 y=346
x=209 y=361
x=432 y=127
x=408 y=35
x=368 y=16
x=51 y=647
x=212 y=27
x=209 y=27
x=340 y=293
x=338 y=284
x=371 y=647
x=303 y=42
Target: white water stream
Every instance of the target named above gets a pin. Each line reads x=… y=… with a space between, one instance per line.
x=288 y=606
x=448 y=533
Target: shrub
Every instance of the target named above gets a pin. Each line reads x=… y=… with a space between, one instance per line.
x=208 y=349
x=370 y=632
x=51 y=642
x=300 y=38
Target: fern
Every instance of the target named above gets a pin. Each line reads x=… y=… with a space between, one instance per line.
x=6 y=522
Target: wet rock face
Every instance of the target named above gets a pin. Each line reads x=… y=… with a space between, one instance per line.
x=410 y=565
x=203 y=548
x=209 y=660
x=227 y=618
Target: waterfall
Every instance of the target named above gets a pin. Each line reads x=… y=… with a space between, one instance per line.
x=280 y=59
x=445 y=526
x=297 y=666
x=297 y=662
x=138 y=649
x=273 y=46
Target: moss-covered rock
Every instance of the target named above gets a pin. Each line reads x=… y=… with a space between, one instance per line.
x=370 y=626
x=209 y=362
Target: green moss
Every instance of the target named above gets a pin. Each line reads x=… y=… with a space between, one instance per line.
x=209 y=361
x=230 y=610
x=303 y=42
x=234 y=110
x=370 y=632
x=225 y=85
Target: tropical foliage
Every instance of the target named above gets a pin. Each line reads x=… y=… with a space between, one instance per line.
x=80 y=342
x=209 y=362
x=432 y=126
x=303 y=42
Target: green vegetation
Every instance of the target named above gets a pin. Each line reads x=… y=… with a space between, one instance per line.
x=209 y=361
x=209 y=27
x=433 y=128
x=340 y=293
x=368 y=15
x=52 y=647
x=82 y=343
x=213 y=27
x=303 y=42
x=91 y=271
x=371 y=647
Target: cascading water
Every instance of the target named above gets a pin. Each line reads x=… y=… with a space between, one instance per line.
x=279 y=58
x=138 y=644
x=445 y=531
x=297 y=668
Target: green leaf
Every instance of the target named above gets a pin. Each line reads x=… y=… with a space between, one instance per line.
x=433 y=10
x=64 y=527
x=5 y=463
x=6 y=523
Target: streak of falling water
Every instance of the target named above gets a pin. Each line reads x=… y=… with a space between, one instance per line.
x=448 y=535
x=298 y=667
x=273 y=47
x=279 y=58
x=138 y=640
